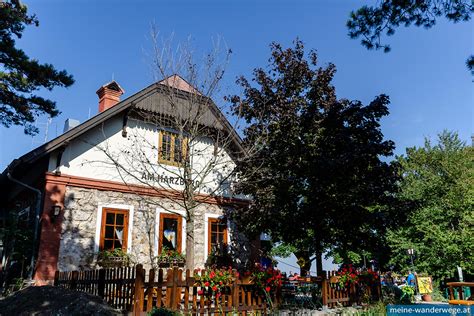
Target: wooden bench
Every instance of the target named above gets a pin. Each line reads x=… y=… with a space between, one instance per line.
x=461 y=300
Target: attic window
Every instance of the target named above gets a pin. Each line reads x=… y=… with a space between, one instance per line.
x=171 y=149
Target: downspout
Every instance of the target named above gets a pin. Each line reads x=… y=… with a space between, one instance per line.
x=37 y=219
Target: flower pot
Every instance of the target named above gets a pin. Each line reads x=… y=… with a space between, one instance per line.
x=426 y=298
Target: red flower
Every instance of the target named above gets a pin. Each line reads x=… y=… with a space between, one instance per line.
x=218 y=295
x=237 y=274
x=212 y=274
x=267 y=289
x=207 y=283
x=214 y=288
x=220 y=283
x=200 y=292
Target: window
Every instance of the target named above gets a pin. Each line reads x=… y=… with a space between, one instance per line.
x=172 y=148
x=170 y=232
x=114 y=229
x=217 y=234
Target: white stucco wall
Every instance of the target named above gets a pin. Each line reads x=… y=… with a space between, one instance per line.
x=104 y=154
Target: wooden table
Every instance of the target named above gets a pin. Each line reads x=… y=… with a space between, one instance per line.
x=461 y=299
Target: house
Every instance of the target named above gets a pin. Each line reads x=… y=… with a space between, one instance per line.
x=145 y=173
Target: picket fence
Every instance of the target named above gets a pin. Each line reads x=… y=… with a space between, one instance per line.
x=135 y=290
x=138 y=291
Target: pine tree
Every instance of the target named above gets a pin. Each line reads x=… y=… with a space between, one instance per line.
x=21 y=76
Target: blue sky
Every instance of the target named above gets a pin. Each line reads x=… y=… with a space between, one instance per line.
x=424 y=75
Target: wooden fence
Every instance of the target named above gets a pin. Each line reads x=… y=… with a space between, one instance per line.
x=179 y=292
x=115 y=285
x=333 y=295
x=133 y=289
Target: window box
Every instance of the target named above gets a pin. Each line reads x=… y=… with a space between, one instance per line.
x=113 y=259
x=169 y=258
x=171 y=263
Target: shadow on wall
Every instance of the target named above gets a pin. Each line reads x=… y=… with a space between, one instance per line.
x=77 y=244
x=78 y=249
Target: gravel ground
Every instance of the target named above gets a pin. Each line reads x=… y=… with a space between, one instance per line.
x=49 y=300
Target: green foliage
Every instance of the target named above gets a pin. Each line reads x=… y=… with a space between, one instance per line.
x=220 y=257
x=20 y=76
x=349 y=257
x=408 y=294
x=282 y=250
x=112 y=258
x=437 y=295
x=214 y=280
x=437 y=188
x=17 y=236
x=267 y=279
x=377 y=309
x=317 y=180
x=371 y=22
x=162 y=312
x=117 y=252
x=169 y=255
x=391 y=294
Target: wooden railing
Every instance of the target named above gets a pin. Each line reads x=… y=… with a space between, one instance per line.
x=460 y=300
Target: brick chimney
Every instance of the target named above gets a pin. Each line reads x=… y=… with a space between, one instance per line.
x=109 y=95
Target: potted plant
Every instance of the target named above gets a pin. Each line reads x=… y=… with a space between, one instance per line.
x=268 y=280
x=408 y=294
x=346 y=277
x=113 y=258
x=170 y=258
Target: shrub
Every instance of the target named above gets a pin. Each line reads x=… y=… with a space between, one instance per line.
x=161 y=312
x=219 y=257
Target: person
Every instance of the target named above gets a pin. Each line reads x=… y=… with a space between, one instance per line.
x=293 y=277
x=410 y=279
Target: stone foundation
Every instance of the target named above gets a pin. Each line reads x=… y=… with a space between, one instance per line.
x=78 y=238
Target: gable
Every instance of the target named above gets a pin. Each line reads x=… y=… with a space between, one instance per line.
x=152 y=99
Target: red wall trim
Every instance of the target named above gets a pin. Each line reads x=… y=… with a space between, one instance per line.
x=106 y=185
x=50 y=238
